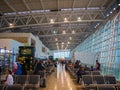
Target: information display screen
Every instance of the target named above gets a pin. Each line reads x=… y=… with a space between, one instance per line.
x=26 y=51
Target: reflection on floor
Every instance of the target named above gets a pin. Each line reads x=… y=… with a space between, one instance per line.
x=60 y=80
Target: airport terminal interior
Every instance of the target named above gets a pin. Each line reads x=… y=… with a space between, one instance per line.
x=59 y=44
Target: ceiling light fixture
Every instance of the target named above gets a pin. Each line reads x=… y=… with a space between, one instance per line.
x=114 y=8
x=73 y=32
x=65 y=20
x=64 y=32
x=54 y=32
x=56 y=39
x=70 y=38
x=78 y=19
x=68 y=42
x=119 y=4
x=107 y=14
x=11 y=25
x=52 y=21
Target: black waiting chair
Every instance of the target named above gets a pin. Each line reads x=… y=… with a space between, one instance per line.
x=87 y=72
x=110 y=79
x=95 y=72
x=118 y=87
x=21 y=79
x=14 y=87
x=33 y=82
x=87 y=79
x=41 y=73
x=2 y=87
x=98 y=79
x=105 y=87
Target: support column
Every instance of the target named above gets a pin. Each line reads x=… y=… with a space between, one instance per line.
x=29 y=41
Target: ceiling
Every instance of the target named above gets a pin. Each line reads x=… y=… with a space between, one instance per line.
x=60 y=24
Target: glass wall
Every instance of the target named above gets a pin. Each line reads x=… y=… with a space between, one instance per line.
x=106 y=42
x=61 y=54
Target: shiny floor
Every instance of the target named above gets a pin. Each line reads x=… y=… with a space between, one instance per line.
x=60 y=80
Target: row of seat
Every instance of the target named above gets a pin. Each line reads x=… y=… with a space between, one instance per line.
x=102 y=87
x=13 y=87
x=92 y=73
x=98 y=79
x=100 y=82
x=93 y=80
x=28 y=81
x=74 y=71
x=105 y=87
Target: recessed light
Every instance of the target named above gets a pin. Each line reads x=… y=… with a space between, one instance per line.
x=52 y=21
x=70 y=38
x=54 y=32
x=107 y=14
x=56 y=39
x=64 y=32
x=78 y=19
x=73 y=32
x=65 y=20
x=68 y=42
x=11 y=25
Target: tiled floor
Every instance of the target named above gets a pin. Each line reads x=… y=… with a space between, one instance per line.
x=60 y=80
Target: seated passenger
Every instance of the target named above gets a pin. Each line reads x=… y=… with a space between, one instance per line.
x=86 y=68
x=9 y=77
x=92 y=69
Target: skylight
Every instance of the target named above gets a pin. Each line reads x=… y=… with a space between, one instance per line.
x=93 y=8
x=26 y=12
x=90 y=8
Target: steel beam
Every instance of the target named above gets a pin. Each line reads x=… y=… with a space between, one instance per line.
x=67 y=34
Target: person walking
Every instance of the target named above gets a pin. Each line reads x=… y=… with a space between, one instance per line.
x=79 y=73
